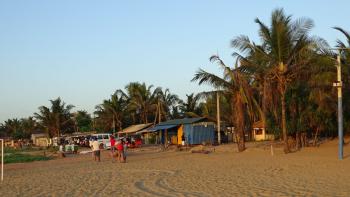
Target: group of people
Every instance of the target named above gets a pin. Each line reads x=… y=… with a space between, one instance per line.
x=118 y=149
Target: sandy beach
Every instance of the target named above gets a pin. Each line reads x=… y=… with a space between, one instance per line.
x=314 y=171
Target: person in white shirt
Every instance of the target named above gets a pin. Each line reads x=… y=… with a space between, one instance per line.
x=96 y=150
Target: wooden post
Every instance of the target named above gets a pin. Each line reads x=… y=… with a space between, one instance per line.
x=272 y=153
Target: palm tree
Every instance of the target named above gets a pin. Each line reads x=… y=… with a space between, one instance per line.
x=165 y=103
x=12 y=127
x=265 y=91
x=235 y=86
x=28 y=125
x=56 y=119
x=286 y=48
x=2 y=130
x=142 y=100
x=83 y=121
x=190 y=107
x=111 y=112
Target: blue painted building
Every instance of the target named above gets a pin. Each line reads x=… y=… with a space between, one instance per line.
x=194 y=130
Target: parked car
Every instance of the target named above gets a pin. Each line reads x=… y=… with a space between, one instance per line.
x=102 y=138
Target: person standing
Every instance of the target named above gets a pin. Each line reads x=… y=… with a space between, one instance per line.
x=120 y=149
x=125 y=147
x=96 y=150
x=112 y=140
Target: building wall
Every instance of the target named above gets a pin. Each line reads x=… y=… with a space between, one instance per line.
x=180 y=132
x=199 y=133
x=259 y=134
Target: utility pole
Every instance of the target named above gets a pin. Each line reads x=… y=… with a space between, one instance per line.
x=338 y=84
x=218 y=116
x=159 y=115
x=113 y=125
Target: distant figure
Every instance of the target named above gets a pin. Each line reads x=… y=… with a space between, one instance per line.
x=96 y=150
x=183 y=140
x=138 y=143
x=112 y=140
x=125 y=147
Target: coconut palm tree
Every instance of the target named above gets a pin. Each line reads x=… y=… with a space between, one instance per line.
x=83 y=121
x=12 y=127
x=165 y=103
x=28 y=125
x=56 y=119
x=190 y=107
x=235 y=86
x=111 y=112
x=265 y=90
x=286 y=49
x=142 y=100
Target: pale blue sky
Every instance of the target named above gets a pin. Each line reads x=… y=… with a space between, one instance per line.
x=84 y=50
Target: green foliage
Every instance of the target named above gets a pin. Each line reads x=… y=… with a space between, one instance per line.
x=18 y=129
x=285 y=81
x=57 y=119
x=83 y=121
x=22 y=158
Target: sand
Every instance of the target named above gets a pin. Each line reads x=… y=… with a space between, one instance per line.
x=149 y=172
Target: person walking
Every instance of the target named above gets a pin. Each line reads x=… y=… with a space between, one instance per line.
x=96 y=150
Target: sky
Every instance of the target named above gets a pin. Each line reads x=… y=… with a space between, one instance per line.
x=82 y=51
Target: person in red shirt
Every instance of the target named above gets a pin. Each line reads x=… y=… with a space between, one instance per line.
x=112 y=140
x=120 y=149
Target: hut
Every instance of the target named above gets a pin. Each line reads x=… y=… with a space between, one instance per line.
x=133 y=129
x=41 y=139
x=259 y=132
x=194 y=130
x=136 y=133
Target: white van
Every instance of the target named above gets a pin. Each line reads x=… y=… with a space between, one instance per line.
x=102 y=138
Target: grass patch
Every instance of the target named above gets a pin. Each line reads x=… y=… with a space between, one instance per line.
x=22 y=158
x=30 y=149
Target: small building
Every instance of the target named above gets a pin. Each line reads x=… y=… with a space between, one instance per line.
x=259 y=132
x=194 y=130
x=41 y=139
x=133 y=129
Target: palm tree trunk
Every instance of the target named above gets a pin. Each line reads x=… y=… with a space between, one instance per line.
x=264 y=109
x=133 y=118
x=284 y=122
x=315 y=138
x=239 y=119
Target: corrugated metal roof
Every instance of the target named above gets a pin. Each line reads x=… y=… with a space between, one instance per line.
x=135 y=128
x=161 y=127
x=182 y=121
